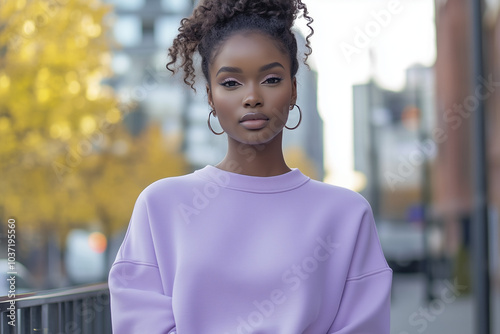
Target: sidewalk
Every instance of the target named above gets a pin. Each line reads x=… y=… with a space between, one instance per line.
x=451 y=312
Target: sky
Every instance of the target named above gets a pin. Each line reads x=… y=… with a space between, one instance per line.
x=397 y=33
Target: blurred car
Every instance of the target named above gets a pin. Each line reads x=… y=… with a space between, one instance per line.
x=85 y=257
x=24 y=280
x=403 y=245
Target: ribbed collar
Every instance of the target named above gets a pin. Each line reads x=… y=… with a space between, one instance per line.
x=255 y=184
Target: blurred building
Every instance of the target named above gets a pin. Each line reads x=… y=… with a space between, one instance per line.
x=455 y=100
x=308 y=137
x=145 y=29
x=390 y=144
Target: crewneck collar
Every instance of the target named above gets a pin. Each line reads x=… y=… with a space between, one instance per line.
x=256 y=184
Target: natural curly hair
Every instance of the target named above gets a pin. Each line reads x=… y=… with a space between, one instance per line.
x=214 y=21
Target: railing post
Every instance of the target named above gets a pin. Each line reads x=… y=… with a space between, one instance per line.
x=35 y=318
x=50 y=318
x=25 y=321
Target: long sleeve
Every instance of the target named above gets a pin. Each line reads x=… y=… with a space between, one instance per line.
x=139 y=303
x=365 y=303
x=216 y=252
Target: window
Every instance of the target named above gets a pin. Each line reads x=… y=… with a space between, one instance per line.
x=176 y=6
x=166 y=30
x=127 y=4
x=121 y=63
x=128 y=30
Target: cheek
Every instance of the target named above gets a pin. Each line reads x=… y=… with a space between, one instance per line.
x=224 y=102
x=281 y=100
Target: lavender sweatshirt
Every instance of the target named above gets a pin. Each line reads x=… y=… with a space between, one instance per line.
x=215 y=252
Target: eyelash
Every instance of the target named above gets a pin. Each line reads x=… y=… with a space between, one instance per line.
x=225 y=82
x=274 y=78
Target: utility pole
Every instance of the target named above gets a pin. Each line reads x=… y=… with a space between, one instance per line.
x=480 y=223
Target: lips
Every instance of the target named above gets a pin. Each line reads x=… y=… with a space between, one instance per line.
x=251 y=116
x=254 y=121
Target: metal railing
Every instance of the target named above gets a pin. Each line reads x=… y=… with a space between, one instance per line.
x=80 y=310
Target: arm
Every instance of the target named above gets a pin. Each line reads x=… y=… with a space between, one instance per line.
x=139 y=303
x=365 y=303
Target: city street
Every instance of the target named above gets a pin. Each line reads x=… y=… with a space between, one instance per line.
x=179 y=157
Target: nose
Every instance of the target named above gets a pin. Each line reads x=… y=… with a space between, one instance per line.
x=253 y=97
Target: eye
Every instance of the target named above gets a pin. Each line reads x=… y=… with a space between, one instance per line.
x=273 y=80
x=229 y=83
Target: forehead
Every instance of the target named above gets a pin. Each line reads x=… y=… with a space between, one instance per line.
x=251 y=49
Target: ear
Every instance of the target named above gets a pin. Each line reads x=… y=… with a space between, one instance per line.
x=294 y=90
x=210 y=98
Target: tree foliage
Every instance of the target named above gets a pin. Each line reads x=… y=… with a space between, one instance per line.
x=297 y=158
x=66 y=157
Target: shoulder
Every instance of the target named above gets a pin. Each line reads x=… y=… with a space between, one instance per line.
x=165 y=187
x=347 y=198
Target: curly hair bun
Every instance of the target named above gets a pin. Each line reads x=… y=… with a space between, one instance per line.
x=213 y=21
x=279 y=9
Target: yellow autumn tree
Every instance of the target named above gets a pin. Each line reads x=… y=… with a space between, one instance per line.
x=297 y=158
x=66 y=158
x=116 y=179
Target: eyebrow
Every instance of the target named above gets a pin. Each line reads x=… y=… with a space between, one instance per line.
x=238 y=70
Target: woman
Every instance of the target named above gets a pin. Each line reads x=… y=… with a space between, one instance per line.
x=248 y=245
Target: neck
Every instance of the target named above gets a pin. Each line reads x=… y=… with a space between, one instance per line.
x=255 y=160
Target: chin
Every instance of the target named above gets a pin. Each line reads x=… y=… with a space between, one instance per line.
x=260 y=137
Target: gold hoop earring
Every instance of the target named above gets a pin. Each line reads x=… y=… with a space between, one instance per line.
x=300 y=118
x=210 y=126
